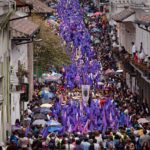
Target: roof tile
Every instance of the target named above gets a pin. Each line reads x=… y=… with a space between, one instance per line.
x=123 y=15
x=40 y=7
x=23 y=27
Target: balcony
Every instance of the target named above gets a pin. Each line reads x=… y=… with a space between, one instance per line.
x=133 y=64
x=142 y=67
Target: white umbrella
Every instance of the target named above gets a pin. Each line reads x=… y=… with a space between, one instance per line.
x=100 y=83
x=119 y=71
x=46 y=105
x=143 y=120
x=52 y=22
x=39 y=122
x=53 y=123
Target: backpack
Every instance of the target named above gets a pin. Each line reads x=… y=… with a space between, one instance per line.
x=52 y=144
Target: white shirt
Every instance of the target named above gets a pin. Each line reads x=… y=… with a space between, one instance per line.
x=133 y=49
x=96 y=146
x=142 y=55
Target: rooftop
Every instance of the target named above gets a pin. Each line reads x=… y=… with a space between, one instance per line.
x=119 y=17
x=23 y=27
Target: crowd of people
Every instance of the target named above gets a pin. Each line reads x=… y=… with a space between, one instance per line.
x=87 y=128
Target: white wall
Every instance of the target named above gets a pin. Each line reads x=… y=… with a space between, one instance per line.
x=15 y=107
x=144 y=37
x=126 y=35
x=18 y=53
x=4 y=82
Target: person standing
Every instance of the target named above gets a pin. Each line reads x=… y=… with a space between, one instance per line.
x=85 y=144
x=145 y=138
x=133 y=49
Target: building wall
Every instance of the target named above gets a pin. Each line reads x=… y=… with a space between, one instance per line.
x=6 y=9
x=126 y=34
x=144 y=37
x=4 y=83
x=15 y=107
x=18 y=53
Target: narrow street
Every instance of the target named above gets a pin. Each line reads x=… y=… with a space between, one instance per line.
x=90 y=98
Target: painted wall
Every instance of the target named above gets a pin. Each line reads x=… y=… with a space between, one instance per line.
x=15 y=107
x=4 y=82
x=144 y=37
x=18 y=53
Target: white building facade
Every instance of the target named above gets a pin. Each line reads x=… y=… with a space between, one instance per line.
x=6 y=9
x=132 y=18
x=19 y=54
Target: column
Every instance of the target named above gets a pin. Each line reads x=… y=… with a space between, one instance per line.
x=30 y=69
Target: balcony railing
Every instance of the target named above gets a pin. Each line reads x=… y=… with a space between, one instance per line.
x=121 y=1
x=142 y=67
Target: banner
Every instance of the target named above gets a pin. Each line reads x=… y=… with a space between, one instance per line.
x=85 y=92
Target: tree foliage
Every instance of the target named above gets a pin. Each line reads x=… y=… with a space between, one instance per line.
x=49 y=51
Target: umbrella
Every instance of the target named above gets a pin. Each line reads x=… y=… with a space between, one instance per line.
x=96 y=41
x=39 y=122
x=119 y=71
x=54 y=129
x=39 y=116
x=143 y=120
x=51 y=77
x=95 y=30
x=52 y=17
x=109 y=71
x=45 y=94
x=100 y=83
x=45 y=110
x=14 y=127
x=45 y=75
x=46 y=105
x=36 y=110
x=41 y=110
x=53 y=126
x=97 y=13
x=89 y=14
x=53 y=123
x=53 y=22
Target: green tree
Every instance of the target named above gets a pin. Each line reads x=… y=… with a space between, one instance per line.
x=49 y=51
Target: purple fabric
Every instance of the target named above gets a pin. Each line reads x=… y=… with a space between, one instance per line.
x=73 y=31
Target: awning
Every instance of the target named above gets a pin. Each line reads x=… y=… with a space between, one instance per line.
x=144 y=20
x=23 y=28
x=119 y=17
